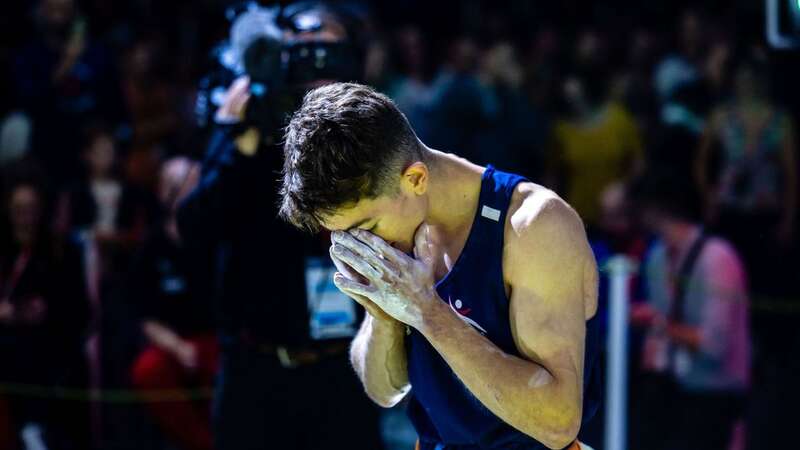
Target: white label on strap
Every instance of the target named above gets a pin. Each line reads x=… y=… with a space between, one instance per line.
x=490 y=213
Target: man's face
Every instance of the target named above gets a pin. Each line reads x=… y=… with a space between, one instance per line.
x=394 y=217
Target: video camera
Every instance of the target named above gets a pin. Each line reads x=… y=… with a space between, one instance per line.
x=284 y=51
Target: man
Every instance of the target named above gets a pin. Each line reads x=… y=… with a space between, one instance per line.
x=489 y=324
x=282 y=323
x=697 y=347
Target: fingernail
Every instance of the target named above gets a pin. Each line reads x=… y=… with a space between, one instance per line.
x=337 y=277
x=337 y=248
x=355 y=231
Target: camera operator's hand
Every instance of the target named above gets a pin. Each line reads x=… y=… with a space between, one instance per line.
x=235 y=103
x=232 y=111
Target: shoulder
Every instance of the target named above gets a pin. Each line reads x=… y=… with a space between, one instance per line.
x=720 y=255
x=547 y=256
x=535 y=210
x=543 y=233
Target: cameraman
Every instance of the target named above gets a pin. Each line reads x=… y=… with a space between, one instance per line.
x=285 y=380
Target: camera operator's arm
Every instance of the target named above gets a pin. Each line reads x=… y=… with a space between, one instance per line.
x=217 y=201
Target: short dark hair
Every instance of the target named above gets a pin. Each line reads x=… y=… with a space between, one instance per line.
x=345 y=143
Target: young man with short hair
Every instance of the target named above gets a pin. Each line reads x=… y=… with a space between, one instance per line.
x=490 y=324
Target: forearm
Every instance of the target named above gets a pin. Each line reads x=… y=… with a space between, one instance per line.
x=524 y=394
x=379 y=358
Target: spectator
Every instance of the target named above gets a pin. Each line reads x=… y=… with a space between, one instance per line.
x=684 y=66
x=62 y=79
x=688 y=80
x=460 y=103
x=281 y=321
x=410 y=88
x=173 y=285
x=102 y=207
x=150 y=98
x=633 y=86
x=43 y=318
x=698 y=334
x=753 y=200
x=514 y=141
x=597 y=145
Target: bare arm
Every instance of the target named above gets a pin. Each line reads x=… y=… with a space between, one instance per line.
x=379 y=358
x=552 y=273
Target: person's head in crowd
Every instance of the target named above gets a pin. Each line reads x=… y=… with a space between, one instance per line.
x=665 y=202
x=616 y=221
x=591 y=49
x=642 y=49
x=462 y=55
x=142 y=60
x=100 y=153
x=56 y=19
x=353 y=161
x=500 y=66
x=409 y=50
x=24 y=207
x=178 y=178
x=585 y=90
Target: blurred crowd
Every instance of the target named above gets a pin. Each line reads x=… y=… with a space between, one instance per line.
x=669 y=129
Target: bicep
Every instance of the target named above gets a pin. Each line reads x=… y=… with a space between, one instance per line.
x=549 y=336
x=552 y=291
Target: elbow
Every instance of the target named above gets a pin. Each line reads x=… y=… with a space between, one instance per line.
x=562 y=431
x=563 y=438
x=387 y=399
x=566 y=436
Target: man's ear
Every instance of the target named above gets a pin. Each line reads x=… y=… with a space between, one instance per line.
x=415 y=178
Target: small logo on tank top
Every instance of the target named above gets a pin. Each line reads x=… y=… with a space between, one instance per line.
x=459 y=309
x=490 y=213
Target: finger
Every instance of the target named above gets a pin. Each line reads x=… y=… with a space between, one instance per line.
x=422 y=246
x=379 y=246
x=370 y=254
x=241 y=84
x=345 y=269
x=352 y=287
x=367 y=304
x=355 y=261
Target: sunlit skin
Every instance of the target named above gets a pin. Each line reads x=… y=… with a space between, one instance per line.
x=549 y=273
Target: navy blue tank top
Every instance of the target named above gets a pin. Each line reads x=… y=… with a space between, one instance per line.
x=445 y=414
